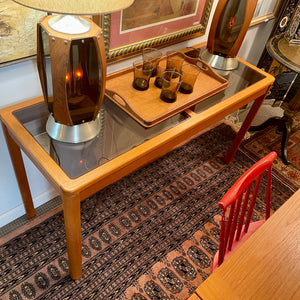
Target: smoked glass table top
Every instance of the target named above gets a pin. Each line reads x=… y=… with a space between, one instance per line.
x=119 y=132
x=238 y=80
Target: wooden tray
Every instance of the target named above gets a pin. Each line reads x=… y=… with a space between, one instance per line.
x=147 y=108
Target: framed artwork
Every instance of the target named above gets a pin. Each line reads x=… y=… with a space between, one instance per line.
x=155 y=23
x=17 y=32
x=265 y=10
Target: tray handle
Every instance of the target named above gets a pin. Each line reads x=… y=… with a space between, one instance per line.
x=205 y=67
x=122 y=103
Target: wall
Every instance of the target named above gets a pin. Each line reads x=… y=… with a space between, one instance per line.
x=20 y=82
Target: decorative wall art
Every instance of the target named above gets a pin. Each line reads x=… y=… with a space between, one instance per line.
x=265 y=10
x=153 y=23
x=17 y=32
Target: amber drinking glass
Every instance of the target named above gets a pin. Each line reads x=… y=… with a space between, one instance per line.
x=142 y=73
x=189 y=74
x=170 y=85
x=152 y=55
x=161 y=67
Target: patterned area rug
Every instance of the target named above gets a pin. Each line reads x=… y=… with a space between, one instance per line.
x=151 y=235
x=269 y=139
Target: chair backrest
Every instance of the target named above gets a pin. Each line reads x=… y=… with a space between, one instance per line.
x=240 y=200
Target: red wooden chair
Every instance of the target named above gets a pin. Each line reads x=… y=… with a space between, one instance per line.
x=240 y=200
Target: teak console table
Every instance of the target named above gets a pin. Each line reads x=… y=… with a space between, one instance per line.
x=124 y=145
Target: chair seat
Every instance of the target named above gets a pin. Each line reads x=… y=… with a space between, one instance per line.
x=253 y=226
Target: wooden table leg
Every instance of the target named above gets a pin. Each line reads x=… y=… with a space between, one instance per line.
x=18 y=164
x=71 y=206
x=246 y=124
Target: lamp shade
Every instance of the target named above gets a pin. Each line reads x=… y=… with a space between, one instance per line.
x=78 y=7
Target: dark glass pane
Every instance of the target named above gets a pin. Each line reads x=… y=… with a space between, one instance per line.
x=83 y=82
x=229 y=26
x=119 y=133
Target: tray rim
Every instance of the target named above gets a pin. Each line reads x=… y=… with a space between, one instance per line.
x=125 y=105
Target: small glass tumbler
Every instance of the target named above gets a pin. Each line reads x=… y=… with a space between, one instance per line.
x=160 y=68
x=142 y=73
x=152 y=55
x=189 y=74
x=193 y=52
x=170 y=86
x=176 y=57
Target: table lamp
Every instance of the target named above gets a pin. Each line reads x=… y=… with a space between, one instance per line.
x=229 y=26
x=73 y=79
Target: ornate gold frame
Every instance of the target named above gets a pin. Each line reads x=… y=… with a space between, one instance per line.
x=159 y=41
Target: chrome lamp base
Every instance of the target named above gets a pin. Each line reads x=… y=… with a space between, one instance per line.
x=73 y=134
x=219 y=62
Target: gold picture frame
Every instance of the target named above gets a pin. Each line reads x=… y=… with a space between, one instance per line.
x=265 y=10
x=133 y=47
